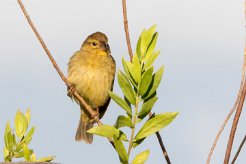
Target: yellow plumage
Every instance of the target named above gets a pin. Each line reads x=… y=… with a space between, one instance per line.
x=91 y=71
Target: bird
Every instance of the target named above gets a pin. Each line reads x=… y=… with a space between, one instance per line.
x=91 y=72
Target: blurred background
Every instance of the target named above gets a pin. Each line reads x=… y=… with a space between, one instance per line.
x=201 y=45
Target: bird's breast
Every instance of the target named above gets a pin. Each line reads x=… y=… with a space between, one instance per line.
x=92 y=76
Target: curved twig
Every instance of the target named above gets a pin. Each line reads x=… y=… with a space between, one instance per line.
x=235 y=121
x=236 y=103
x=75 y=93
x=239 y=149
x=234 y=125
x=164 y=151
x=127 y=29
x=230 y=113
x=239 y=109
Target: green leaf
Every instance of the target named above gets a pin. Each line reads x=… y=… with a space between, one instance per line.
x=125 y=67
x=144 y=43
x=33 y=157
x=126 y=88
x=151 y=59
x=132 y=72
x=151 y=30
x=146 y=81
x=5 y=152
x=146 y=38
x=108 y=131
x=135 y=69
x=151 y=47
x=6 y=155
x=46 y=159
x=155 y=123
x=7 y=131
x=150 y=35
x=155 y=82
x=124 y=63
x=20 y=124
x=120 y=102
x=27 y=139
x=146 y=107
x=21 y=154
x=11 y=141
x=120 y=150
x=26 y=152
x=28 y=115
x=123 y=121
x=141 y=158
x=138 y=48
x=137 y=142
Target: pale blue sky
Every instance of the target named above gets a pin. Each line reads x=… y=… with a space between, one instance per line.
x=201 y=45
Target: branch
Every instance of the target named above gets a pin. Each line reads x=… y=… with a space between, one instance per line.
x=239 y=108
x=126 y=29
x=237 y=100
x=234 y=125
x=164 y=151
x=75 y=93
x=231 y=111
x=239 y=149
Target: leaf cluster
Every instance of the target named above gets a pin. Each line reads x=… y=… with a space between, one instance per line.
x=17 y=140
x=139 y=83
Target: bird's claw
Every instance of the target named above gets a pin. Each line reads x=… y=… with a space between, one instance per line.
x=95 y=116
x=71 y=90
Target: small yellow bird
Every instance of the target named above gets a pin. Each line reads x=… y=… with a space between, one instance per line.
x=91 y=71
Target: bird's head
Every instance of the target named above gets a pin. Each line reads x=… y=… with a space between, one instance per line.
x=96 y=43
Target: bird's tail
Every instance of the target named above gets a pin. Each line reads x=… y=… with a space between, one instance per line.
x=84 y=124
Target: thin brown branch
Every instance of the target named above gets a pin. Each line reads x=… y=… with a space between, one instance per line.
x=164 y=151
x=231 y=111
x=75 y=93
x=239 y=149
x=239 y=107
x=126 y=29
x=234 y=125
x=237 y=100
x=222 y=128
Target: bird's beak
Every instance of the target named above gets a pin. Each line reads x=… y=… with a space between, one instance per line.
x=106 y=47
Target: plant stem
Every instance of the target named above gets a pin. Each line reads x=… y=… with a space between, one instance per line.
x=134 y=122
x=234 y=125
x=127 y=29
x=239 y=149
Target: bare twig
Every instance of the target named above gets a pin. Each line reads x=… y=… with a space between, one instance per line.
x=164 y=151
x=126 y=29
x=236 y=103
x=230 y=113
x=75 y=93
x=239 y=107
x=234 y=125
x=239 y=149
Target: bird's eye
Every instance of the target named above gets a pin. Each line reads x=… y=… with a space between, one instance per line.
x=94 y=44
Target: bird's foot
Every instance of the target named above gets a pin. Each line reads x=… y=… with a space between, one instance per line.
x=95 y=115
x=71 y=90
